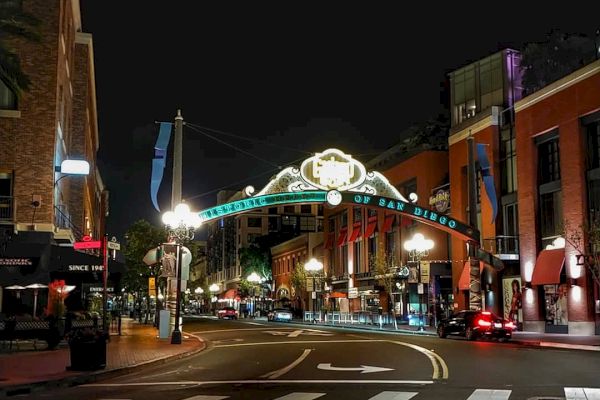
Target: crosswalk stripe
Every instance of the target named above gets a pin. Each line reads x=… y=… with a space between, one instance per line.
x=489 y=394
x=301 y=396
x=394 y=396
x=582 y=393
x=204 y=397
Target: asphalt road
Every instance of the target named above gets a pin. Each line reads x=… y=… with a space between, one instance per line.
x=265 y=360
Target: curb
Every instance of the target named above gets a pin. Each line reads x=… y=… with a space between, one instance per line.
x=366 y=328
x=28 y=388
x=556 y=345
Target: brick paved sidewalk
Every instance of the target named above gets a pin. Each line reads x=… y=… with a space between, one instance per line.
x=137 y=346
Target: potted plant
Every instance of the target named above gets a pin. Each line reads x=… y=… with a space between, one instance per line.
x=87 y=347
x=55 y=312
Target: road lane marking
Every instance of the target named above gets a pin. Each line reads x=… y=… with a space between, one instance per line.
x=364 y=369
x=237 y=329
x=489 y=394
x=204 y=397
x=572 y=393
x=299 y=342
x=301 y=396
x=255 y=323
x=263 y=381
x=433 y=357
x=298 y=332
x=284 y=370
x=394 y=396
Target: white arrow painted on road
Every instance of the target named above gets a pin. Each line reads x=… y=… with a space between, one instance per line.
x=365 y=369
x=296 y=333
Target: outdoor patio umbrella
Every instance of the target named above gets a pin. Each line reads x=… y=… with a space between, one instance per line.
x=18 y=288
x=35 y=287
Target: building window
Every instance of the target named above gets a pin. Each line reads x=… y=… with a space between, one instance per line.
x=252 y=238
x=305 y=209
x=508 y=161
x=272 y=210
x=551 y=217
x=254 y=222
x=273 y=224
x=357 y=214
x=390 y=242
x=592 y=131
x=289 y=209
x=549 y=161
x=344 y=219
x=320 y=210
x=6 y=199
x=463 y=89
x=372 y=250
x=345 y=258
x=357 y=260
x=307 y=224
x=8 y=98
x=371 y=212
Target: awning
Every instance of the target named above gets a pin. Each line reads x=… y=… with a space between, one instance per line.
x=330 y=239
x=387 y=224
x=371 y=227
x=230 y=294
x=25 y=260
x=465 y=276
x=342 y=238
x=356 y=230
x=337 y=295
x=548 y=267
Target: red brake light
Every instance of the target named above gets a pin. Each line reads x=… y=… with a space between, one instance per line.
x=483 y=322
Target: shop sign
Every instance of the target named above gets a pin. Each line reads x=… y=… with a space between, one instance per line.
x=353 y=293
x=85 y=268
x=100 y=289
x=440 y=200
x=15 y=262
x=87 y=243
x=424 y=271
x=151 y=286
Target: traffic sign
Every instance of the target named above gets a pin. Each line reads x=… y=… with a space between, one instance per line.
x=113 y=244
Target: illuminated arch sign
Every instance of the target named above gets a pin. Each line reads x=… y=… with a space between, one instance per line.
x=333 y=178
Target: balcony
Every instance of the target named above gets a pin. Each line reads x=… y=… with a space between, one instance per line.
x=6 y=209
x=503 y=247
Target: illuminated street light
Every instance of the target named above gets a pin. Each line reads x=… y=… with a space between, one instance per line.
x=418 y=247
x=314 y=267
x=214 y=289
x=255 y=279
x=180 y=224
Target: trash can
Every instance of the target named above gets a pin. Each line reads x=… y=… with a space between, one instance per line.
x=88 y=355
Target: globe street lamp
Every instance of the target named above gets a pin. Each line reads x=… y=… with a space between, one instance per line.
x=418 y=247
x=314 y=267
x=180 y=224
x=254 y=279
x=214 y=288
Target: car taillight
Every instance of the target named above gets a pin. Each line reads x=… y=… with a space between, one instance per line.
x=510 y=325
x=483 y=322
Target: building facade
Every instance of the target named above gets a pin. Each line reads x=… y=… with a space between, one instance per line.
x=558 y=131
x=55 y=120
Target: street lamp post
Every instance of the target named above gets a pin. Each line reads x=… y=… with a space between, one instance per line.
x=418 y=247
x=255 y=280
x=198 y=291
x=180 y=224
x=314 y=267
x=214 y=288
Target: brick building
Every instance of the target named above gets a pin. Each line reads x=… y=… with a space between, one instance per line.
x=558 y=139
x=54 y=120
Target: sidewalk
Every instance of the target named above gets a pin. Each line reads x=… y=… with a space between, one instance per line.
x=138 y=346
x=589 y=343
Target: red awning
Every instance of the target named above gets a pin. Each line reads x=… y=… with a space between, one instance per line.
x=330 y=239
x=342 y=238
x=356 y=231
x=371 y=227
x=405 y=221
x=230 y=294
x=548 y=266
x=465 y=276
x=337 y=295
x=387 y=224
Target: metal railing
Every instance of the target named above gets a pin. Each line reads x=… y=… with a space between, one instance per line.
x=6 y=208
x=62 y=220
x=503 y=245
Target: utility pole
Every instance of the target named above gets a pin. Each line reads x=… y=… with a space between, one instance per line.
x=104 y=283
x=473 y=247
x=175 y=200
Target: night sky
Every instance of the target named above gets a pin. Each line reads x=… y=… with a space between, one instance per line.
x=301 y=78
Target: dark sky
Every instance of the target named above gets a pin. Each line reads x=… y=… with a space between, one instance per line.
x=298 y=77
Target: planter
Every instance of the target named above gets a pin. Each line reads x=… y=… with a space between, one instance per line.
x=87 y=355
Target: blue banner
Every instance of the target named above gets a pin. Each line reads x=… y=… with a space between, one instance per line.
x=159 y=161
x=488 y=179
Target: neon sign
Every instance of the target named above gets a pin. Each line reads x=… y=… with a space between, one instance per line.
x=333 y=169
x=250 y=203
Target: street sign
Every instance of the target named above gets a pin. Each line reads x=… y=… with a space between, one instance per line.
x=424 y=271
x=352 y=293
x=310 y=285
x=113 y=244
x=420 y=289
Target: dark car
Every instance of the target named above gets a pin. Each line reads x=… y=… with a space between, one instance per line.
x=476 y=324
x=228 y=312
x=280 y=314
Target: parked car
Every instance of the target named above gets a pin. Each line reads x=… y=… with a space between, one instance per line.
x=476 y=324
x=228 y=312
x=280 y=314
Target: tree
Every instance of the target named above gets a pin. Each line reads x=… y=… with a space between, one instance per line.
x=385 y=268
x=560 y=54
x=141 y=237
x=258 y=260
x=15 y=23
x=298 y=281
x=586 y=240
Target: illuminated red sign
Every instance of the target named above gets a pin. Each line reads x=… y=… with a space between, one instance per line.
x=96 y=244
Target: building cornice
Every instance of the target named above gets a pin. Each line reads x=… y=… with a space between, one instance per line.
x=558 y=86
x=491 y=120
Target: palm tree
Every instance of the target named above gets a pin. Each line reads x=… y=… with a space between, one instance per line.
x=15 y=23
